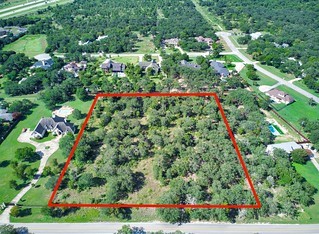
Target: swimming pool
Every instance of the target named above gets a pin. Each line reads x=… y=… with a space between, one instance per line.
x=273 y=130
x=65 y=112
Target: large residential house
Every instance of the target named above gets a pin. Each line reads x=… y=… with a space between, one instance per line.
x=44 y=61
x=4 y=115
x=207 y=40
x=184 y=63
x=75 y=68
x=287 y=146
x=115 y=68
x=150 y=65
x=219 y=69
x=56 y=125
x=280 y=96
x=171 y=42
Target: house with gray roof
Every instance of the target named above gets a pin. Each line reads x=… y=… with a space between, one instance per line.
x=287 y=146
x=150 y=65
x=184 y=63
x=219 y=68
x=44 y=61
x=4 y=115
x=56 y=125
x=110 y=66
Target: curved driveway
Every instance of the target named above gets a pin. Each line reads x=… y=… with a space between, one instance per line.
x=45 y=150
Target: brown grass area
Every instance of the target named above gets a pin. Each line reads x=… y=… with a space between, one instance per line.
x=152 y=188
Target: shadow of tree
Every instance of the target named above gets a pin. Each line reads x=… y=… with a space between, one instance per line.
x=4 y=163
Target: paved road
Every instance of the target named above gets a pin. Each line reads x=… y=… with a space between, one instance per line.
x=45 y=150
x=156 y=226
x=21 y=5
x=226 y=35
x=27 y=8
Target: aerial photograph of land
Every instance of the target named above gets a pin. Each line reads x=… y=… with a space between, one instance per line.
x=159 y=116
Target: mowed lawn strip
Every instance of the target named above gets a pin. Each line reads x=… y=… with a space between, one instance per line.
x=30 y=45
x=311 y=174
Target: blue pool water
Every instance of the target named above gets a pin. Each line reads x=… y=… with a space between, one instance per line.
x=273 y=130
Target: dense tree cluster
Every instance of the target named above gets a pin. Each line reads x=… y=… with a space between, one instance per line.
x=312 y=128
x=10 y=229
x=291 y=44
x=82 y=22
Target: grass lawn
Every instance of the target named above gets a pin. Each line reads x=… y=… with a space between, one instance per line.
x=81 y=106
x=311 y=174
x=301 y=84
x=234 y=41
x=47 y=137
x=277 y=72
x=231 y=58
x=126 y=59
x=156 y=58
x=263 y=79
x=8 y=148
x=243 y=51
x=145 y=45
x=30 y=45
x=300 y=108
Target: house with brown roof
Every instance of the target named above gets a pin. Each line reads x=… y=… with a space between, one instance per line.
x=75 y=68
x=280 y=96
x=207 y=40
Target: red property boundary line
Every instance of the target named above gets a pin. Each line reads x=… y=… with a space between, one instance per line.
x=101 y=95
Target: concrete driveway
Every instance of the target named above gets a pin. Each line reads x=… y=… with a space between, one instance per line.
x=45 y=150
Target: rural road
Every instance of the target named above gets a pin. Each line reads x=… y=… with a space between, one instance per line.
x=226 y=35
x=45 y=150
x=26 y=8
x=198 y=227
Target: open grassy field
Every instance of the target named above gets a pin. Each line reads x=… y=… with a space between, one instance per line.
x=299 y=109
x=145 y=45
x=126 y=59
x=30 y=45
